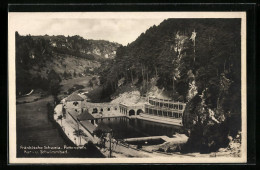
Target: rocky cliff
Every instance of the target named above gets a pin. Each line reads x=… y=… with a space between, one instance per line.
x=196 y=61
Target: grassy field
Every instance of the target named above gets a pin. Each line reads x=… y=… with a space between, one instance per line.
x=68 y=84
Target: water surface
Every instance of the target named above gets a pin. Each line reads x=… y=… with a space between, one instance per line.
x=130 y=128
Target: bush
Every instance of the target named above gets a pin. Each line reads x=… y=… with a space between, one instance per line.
x=77 y=86
x=90 y=83
x=160 y=150
x=95 y=94
x=139 y=146
x=168 y=150
x=70 y=90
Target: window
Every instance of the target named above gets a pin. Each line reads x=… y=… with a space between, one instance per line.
x=75 y=103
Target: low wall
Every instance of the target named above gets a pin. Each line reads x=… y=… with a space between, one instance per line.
x=142 y=138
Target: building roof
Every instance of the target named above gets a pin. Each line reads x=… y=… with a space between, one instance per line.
x=89 y=126
x=85 y=116
x=72 y=112
x=74 y=97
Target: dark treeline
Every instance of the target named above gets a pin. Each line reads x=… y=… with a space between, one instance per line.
x=168 y=53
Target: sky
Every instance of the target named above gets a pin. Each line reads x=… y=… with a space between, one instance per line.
x=122 y=31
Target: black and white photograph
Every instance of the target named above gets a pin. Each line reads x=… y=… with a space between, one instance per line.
x=121 y=87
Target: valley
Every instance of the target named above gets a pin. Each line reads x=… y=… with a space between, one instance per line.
x=183 y=72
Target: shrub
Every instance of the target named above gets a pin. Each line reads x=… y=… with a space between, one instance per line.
x=70 y=90
x=90 y=83
x=160 y=150
x=77 y=86
x=139 y=146
x=168 y=150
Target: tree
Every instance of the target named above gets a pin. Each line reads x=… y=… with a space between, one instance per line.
x=54 y=87
x=92 y=151
x=79 y=133
x=90 y=83
x=54 y=83
x=103 y=131
x=60 y=117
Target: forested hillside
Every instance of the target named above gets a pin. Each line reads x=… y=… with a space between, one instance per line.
x=197 y=61
x=67 y=57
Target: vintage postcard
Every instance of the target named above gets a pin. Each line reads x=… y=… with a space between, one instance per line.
x=127 y=87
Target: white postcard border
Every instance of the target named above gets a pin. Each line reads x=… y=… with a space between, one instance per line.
x=14 y=16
